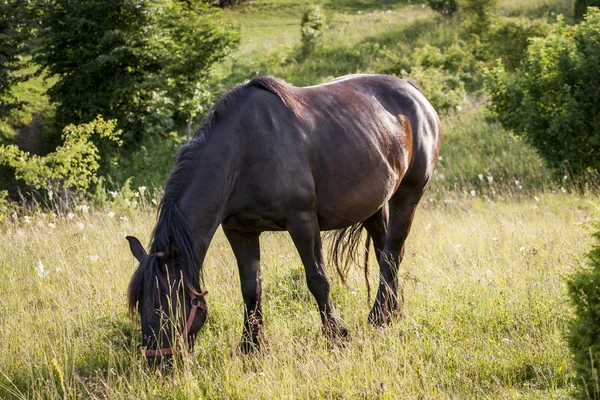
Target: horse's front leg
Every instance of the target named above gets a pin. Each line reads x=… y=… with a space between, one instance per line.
x=246 y=248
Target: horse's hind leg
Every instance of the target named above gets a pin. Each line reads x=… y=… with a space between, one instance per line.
x=390 y=297
x=304 y=230
x=247 y=253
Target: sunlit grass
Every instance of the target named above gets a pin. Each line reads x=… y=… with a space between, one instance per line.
x=486 y=311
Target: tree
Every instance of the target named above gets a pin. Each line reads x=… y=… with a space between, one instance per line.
x=13 y=35
x=99 y=51
x=193 y=39
x=114 y=57
x=554 y=101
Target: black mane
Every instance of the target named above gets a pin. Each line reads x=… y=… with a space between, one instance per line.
x=150 y=277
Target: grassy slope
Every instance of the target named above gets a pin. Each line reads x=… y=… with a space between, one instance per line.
x=485 y=312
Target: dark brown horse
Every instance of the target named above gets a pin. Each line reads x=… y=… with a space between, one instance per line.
x=358 y=151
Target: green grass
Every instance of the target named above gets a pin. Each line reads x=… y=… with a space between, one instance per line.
x=486 y=311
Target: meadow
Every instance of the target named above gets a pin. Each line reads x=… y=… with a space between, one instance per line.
x=493 y=243
x=485 y=312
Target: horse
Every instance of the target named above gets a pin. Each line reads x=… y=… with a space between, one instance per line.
x=355 y=153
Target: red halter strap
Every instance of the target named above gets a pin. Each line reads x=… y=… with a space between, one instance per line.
x=195 y=304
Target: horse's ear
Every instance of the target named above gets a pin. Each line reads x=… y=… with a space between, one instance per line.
x=136 y=248
x=171 y=251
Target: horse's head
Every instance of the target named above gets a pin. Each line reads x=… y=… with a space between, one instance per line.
x=172 y=308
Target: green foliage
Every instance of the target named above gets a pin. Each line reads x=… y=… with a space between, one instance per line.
x=477 y=14
x=311 y=29
x=581 y=7
x=444 y=7
x=193 y=39
x=584 y=334
x=509 y=37
x=442 y=73
x=99 y=52
x=555 y=103
x=137 y=61
x=13 y=33
x=72 y=165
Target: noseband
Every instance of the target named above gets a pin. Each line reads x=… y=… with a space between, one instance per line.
x=195 y=304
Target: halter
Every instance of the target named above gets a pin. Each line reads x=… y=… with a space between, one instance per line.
x=195 y=304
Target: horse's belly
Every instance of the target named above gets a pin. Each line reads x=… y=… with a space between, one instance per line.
x=346 y=199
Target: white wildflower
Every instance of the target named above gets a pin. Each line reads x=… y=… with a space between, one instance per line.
x=562 y=189
x=80 y=225
x=490 y=179
x=142 y=189
x=27 y=219
x=70 y=215
x=113 y=194
x=111 y=215
x=94 y=258
x=41 y=270
x=536 y=198
x=522 y=248
x=52 y=225
x=136 y=194
x=473 y=193
x=123 y=218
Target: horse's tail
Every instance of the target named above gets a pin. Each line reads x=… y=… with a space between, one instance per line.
x=343 y=252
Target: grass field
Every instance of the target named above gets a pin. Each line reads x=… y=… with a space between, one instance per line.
x=486 y=312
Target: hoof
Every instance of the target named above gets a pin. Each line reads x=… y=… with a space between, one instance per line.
x=251 y=345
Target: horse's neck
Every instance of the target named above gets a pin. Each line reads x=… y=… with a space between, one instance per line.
x=204 y=200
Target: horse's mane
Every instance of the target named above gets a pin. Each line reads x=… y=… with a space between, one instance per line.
x=149 y=277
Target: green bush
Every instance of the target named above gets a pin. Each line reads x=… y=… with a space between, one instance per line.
x=72 y=165
x=509 y=37
x=554 y=101
x=584 y=334
x=311 y=29
x=477 y=14
x=442 y=73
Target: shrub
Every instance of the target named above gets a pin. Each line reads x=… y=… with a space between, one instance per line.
x=441 y=73
x=311 y=29
x=509 y=37
x=73 y=165
x=584 y=334
x=478 y=15
x=554 y=100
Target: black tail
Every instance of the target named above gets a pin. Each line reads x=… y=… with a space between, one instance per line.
x=343 y=252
